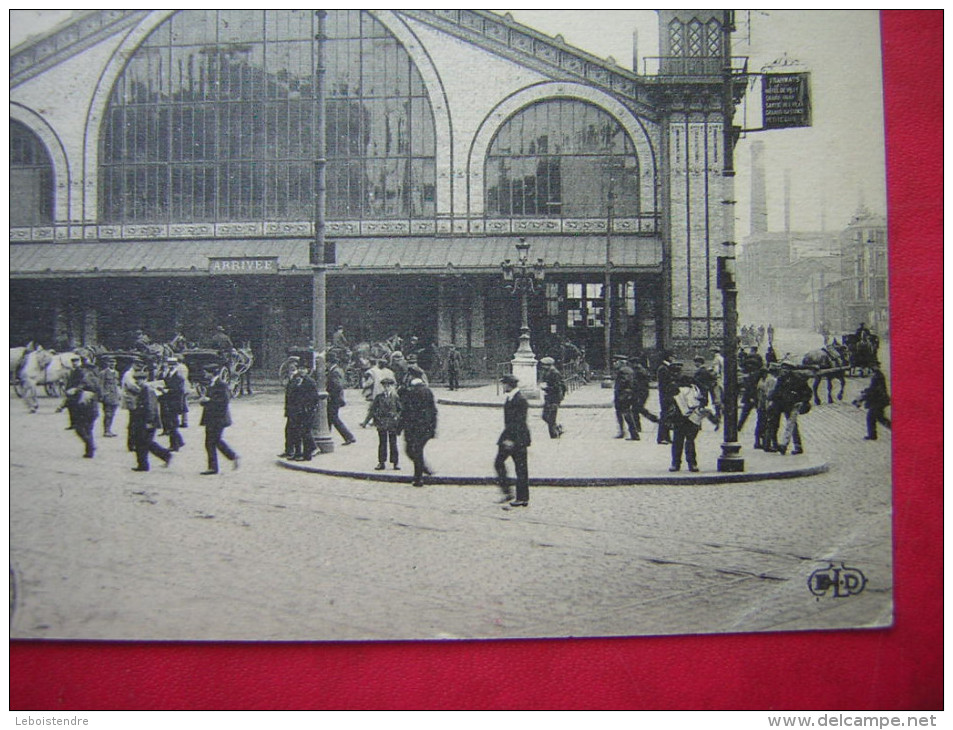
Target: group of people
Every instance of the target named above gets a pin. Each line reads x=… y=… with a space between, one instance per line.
x=153 y=404
x=399 y=402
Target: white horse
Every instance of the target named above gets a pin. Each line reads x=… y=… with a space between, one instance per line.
x=32 y=373
x=57 y=369
x=17 y=355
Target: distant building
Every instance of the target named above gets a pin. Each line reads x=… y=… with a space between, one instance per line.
x=863 y=291
x=812 y=279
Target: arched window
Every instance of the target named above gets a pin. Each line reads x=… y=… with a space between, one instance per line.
x=213 y=119
x=561 y=158
x=31 y=178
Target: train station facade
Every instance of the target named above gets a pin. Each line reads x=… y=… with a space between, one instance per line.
x=163 y=178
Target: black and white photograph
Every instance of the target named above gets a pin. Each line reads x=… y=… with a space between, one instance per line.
x=374 y=325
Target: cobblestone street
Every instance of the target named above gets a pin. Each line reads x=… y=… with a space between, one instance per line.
x=101 y=552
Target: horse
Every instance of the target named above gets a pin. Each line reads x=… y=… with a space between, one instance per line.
x=17 y=355
x=832 y=358
x=31 y=373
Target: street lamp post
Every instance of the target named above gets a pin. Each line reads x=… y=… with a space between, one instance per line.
x=607 y=379
x=522 y=278
x=731 y=459
x=317 y=256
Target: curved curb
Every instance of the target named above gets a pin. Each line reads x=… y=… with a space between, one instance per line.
x=689 y=479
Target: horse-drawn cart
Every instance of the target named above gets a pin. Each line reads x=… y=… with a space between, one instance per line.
x=232 y=367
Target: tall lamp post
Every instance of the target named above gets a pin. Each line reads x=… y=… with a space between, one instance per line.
x=607 y=379
x=730 y=459
x=522 y=278
x=318 y=257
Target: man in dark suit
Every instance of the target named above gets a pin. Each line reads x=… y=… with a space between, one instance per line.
x=667 y=375
x=513 y=443
x=336 y=381
x=876 y=398
x=172 y=403
x=216 y=418
x=82 y=402
x=144 y=419
x=419 y=422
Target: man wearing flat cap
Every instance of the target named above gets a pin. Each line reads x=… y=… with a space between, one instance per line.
x=554 y=390
x=110 y=393
x=216 y=418
x=513 y=443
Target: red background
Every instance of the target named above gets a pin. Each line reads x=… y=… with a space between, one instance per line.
x=896 y=669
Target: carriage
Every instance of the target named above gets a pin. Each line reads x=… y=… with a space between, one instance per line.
x=233 y=367
x=862 y=352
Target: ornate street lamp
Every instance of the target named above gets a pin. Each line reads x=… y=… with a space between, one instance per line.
x=522 y=278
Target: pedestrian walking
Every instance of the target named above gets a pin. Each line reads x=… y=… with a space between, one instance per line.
x=453 y=368
x=216 y=418
x=336 y=380
x=622 y=398
x=513 y=443
x=144 y=419
x=82 y=402
x=109 y=385
x=876 y=398
x=419 y=422
x=554 y=390
x=171 y=402
x=385 y=413
x=686 y=415
x=792 y=395
x=768 y=413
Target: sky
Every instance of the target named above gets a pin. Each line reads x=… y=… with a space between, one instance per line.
x=834 y=165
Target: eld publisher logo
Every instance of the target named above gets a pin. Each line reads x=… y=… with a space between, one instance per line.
x=841 y=582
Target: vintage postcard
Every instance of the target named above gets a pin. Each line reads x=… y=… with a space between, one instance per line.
x=447 y=324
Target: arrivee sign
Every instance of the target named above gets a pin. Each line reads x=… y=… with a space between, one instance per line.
x=242 y=265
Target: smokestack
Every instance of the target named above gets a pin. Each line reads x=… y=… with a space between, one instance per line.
x=635 y=50
x=759 y=201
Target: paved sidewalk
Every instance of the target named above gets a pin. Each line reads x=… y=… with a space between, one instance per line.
x=588 y=454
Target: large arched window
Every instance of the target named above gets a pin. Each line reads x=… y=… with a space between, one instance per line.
x=31 y=178
x=562 y=158
x=213 y=119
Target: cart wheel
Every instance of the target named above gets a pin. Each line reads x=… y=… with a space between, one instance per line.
x=235 y=387
x=54 y=390
x=200 y=390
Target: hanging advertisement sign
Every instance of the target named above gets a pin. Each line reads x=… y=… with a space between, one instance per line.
x=786 y=100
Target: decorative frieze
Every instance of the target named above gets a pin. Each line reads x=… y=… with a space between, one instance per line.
x=145 y=231
x=289 y=229
x=191 y=230
x=646 y=225
x=238 y=230
x=385 y=228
